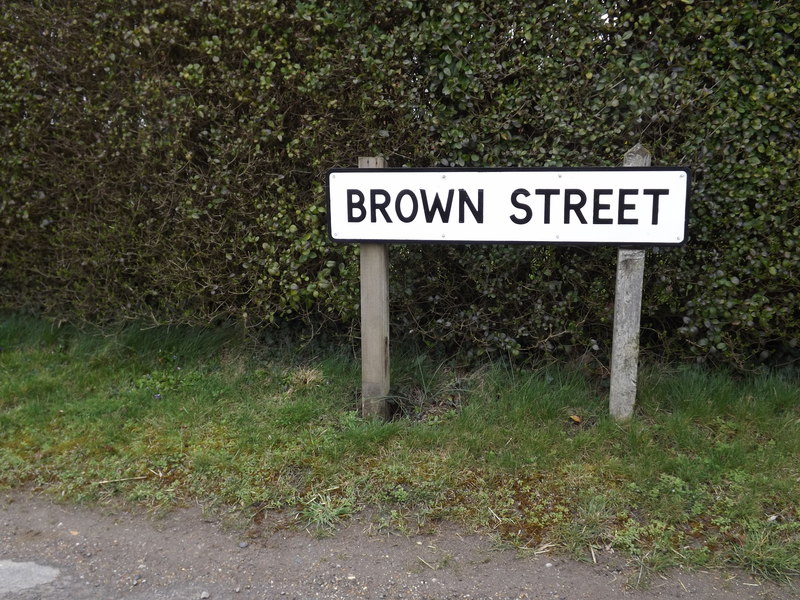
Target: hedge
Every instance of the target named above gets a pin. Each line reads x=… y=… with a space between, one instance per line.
x=165 y=161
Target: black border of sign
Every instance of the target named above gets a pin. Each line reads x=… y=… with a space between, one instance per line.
x=330 y=172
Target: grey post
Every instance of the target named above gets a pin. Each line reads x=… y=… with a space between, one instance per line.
x=627 y=315
x=374 y=320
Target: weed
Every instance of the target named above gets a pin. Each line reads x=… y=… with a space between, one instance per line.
x=322 y=512
x=760 y=554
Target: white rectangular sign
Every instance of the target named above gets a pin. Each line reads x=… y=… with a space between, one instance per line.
x=625 y=206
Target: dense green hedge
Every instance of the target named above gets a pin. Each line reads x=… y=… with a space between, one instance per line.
x=165 y=160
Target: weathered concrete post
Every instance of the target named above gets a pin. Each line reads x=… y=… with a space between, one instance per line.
x=627 y=315
x=374 y=320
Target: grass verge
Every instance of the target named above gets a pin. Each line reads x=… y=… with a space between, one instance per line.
x=707 y=474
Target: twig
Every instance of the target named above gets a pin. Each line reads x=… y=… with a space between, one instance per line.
x=426 y=563
x=105 y=481
x=543 y=549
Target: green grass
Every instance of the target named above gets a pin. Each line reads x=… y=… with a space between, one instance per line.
x=707 y=474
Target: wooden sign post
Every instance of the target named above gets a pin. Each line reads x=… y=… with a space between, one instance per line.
x=627 y=316
x=374 y=320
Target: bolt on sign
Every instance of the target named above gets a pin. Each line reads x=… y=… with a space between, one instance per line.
x=618 y=206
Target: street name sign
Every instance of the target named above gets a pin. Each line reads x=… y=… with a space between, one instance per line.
x=617 y=206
